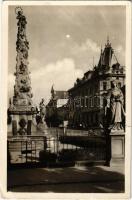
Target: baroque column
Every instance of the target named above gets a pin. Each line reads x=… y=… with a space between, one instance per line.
x=21 y=108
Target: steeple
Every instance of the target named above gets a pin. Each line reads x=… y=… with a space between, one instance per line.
x=101 y=57
x=107 y=54
x=108 y=44
x=52 y=91
x=107 y=39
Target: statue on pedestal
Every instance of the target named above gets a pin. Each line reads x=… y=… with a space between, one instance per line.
x=115 y=126
x=42 y=109
x=21 y=104
x=117 y=113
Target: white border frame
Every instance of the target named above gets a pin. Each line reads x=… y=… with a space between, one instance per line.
x=3 y=111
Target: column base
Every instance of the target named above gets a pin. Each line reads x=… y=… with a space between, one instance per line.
x=117 y=147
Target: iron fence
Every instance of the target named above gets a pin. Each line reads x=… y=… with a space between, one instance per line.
x=28 y=149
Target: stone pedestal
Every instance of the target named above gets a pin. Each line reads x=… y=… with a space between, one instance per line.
x=19 y=115
x=117 y=139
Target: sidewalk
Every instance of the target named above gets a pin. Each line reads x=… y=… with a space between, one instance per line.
x=72 y=179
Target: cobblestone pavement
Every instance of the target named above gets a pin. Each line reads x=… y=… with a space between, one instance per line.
x=97 y=179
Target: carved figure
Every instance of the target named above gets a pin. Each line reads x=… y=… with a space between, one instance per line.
x=23 y=129
x=22 y=67
x=116 y=107
x=42 y=109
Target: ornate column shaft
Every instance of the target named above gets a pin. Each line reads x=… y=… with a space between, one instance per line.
x=22 y=89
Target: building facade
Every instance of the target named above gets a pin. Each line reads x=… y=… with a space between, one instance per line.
x=56 y=109
x=87 y=99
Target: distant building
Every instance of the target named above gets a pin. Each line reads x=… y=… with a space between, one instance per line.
x=87 y=99
x=56 y=109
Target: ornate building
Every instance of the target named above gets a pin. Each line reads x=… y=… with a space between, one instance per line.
x=87 y=99
x=21 y=108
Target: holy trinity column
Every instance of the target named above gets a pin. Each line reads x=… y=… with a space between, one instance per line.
x=21 y=107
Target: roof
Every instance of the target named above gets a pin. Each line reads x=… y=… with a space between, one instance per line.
x=107 y=62
x=60 y=94
x=88 y=72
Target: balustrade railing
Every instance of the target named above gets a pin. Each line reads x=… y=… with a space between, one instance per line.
x=26 y=149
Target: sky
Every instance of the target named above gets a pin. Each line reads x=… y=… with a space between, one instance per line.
x=63 y=41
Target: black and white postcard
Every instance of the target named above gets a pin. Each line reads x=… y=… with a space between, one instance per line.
x=66 y=99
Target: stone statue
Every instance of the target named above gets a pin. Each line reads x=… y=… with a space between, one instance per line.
x=42 y=109
x=117 y=112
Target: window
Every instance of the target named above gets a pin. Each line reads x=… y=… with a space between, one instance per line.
x=92 y=118
x=119 y=85
x=83 y=102
x=96 y=117
x=104 y=85
x=86 y=101
x=91 y=102
x=85 y=91
x=90 y=90
x=95 y=101
x=98 y=101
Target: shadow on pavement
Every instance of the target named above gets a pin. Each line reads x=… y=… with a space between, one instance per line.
x=67 y=180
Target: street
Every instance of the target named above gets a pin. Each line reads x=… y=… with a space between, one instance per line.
x=81 y=179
